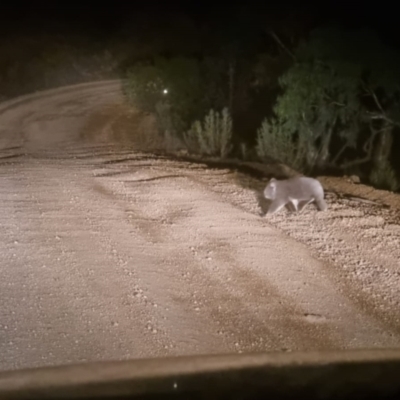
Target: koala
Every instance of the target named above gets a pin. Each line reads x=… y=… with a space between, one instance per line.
x=298 y=191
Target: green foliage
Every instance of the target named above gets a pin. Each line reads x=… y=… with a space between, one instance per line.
x=384 y=177
x=318 y=103
x=361 y=57
x=213 y=136
x=340 y=83
x=275 y=141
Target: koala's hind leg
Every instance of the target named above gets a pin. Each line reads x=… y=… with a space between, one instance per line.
x=290 y=207
x=275 y=206
x=303 y=204
x=294 y=203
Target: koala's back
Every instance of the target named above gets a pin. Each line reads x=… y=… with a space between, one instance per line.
x=300 y=188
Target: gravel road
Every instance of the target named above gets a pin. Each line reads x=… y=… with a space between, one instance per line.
x=109 y=253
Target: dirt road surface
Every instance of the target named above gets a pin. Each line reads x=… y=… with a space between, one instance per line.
x=108 y=253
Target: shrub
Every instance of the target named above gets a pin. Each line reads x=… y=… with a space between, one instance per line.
x=213 y=137
x=273 y=141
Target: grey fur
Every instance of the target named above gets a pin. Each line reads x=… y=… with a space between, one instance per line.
x=298 y=191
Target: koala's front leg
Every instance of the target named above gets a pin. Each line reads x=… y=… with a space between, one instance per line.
x=275 y=206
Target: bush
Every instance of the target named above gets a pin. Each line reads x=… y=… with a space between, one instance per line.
x=213 y=137
x=384 y=177
x=275 y=142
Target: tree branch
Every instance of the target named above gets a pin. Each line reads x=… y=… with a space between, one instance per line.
x=383 y=117
x=339 y=153
x=368 y=146
x=377 y=102
x=281 y=44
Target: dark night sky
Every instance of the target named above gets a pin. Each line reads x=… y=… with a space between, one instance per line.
x=111 y=14
x=117 y=10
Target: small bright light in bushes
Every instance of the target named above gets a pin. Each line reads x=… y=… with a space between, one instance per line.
x=165 y=91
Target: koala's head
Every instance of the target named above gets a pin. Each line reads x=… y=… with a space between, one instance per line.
x=270 y=190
